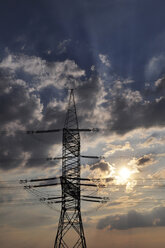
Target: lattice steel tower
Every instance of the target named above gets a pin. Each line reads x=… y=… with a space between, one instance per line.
x=70 y=223
x=70 y=232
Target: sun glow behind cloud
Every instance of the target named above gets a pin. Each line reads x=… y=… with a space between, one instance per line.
x=125 y=176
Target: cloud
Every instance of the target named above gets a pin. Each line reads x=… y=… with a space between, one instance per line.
x=160 y=85
x=17 y=103
x=91 y=97
x=5 y=198
x=160 y=174
x=134 y=219
x=28 y=64
x=27 y=81
x=130 y=110
x=62 y=74
x=145 y=160
x=153 y=141
x=20 y=110
x=23 y=107
x=142 y=162
x=155 y=67
x=102 y=165
x=33 y=220
x=101 y=169
x=62 y=46
x=104 y=59
x=126 y=110
x=112 y=148
x=40 y=72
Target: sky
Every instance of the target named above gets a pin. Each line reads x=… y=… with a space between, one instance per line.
x=112 y=52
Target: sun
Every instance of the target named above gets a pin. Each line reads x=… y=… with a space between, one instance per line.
x=124 y=174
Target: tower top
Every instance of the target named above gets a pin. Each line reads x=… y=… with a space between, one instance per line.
x=71 y=120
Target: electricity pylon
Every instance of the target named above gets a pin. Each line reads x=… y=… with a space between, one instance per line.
x=70 y=218
x=70 y=227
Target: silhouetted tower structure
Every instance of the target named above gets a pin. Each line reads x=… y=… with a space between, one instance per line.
x=70 y=232
x=70 y=221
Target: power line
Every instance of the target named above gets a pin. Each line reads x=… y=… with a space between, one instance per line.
x=71 y=182
x=70 y=218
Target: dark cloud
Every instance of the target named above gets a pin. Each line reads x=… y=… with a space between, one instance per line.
x=88 y=94
x=17 y=104
x=26 y=106
x=102 y=165
x=39 y=104
x=145 y=160
x=129 y=110
x=22 y=110
x=134 y=219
